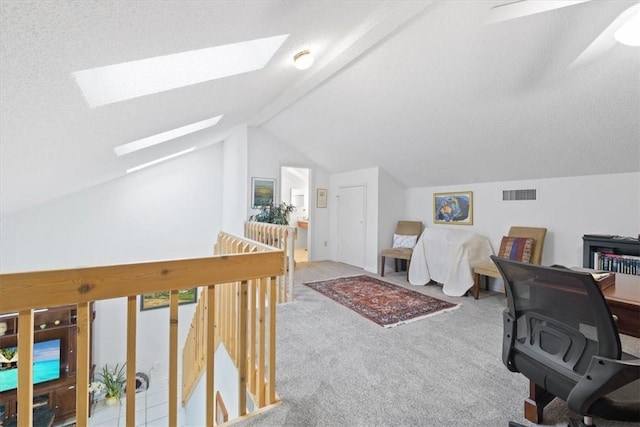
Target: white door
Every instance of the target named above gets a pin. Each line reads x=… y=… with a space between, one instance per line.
x=351 y=226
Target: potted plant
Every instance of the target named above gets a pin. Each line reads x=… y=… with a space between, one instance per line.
x=274 y=214
x=110 y=382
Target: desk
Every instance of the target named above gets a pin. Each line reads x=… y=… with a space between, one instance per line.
x=448 y=257
x=623 y=300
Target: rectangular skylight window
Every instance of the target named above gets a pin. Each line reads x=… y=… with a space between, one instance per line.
x=160 y=160
x=119 y=82
x=149 y=141
x=519 y=8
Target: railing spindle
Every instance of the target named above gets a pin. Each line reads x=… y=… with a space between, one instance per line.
x=261 y=342
x=83 y=339
x=132 y=311
x=272 y=342
x=173 y=359
x=242 y=347
x=25 y=367
x=211 y=348
x=251 y=359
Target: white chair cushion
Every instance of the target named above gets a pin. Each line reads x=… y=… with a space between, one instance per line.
x=404 y=241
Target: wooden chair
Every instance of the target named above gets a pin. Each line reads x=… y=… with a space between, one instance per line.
x=404 y=228
x=489 y=269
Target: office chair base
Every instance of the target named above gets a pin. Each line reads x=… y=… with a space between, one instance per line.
x=587 y=422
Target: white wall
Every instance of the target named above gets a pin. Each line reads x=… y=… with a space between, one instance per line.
x=567 y=207
x=369 y=179
x=171 y=210
x=225 y=381
x=392 y=201
x=266 y=155
x=234 y=188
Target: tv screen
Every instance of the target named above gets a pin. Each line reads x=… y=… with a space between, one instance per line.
x=46 y=364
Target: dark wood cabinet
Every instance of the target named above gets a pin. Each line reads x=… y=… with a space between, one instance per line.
x=58 y=395
x=65 y=401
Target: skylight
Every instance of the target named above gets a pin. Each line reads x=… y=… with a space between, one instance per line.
x=119 y=82
x=149 y=141
x=160 y=160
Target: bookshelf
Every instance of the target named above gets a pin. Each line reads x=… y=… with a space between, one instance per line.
x=56 y=397
x=613 y=253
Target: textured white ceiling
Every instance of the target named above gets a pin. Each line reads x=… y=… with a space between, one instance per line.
x=425 y=90
x=449 y=100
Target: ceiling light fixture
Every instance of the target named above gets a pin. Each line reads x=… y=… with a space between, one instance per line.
x=149 y=141
x=303 y=60
x=162 y=159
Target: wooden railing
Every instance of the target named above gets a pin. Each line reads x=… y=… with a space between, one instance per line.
x=24 y=292
x=279 y=236
x=244 y=322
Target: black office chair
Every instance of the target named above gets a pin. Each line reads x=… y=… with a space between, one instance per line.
x=559 y=333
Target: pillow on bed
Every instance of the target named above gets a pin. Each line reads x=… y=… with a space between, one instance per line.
x=516 y=248
x=404 y=241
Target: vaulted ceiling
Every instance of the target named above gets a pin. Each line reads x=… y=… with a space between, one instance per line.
x=428 y=91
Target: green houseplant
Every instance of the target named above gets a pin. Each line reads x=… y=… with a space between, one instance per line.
x=274 y=214
x=111 y=382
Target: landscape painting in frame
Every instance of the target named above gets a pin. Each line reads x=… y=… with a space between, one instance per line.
x=161 y=299
x=453 y=208
x=262 y=191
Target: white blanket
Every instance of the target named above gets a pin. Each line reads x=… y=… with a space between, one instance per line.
x=448 y=257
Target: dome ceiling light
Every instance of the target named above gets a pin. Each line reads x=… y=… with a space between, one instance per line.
x=303 y=60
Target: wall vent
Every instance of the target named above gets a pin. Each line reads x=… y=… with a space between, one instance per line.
x=510 y=195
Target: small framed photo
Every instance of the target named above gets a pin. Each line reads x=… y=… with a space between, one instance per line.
x=263 y=192
x=321 y=198
x=453 y=208
x=161 y=299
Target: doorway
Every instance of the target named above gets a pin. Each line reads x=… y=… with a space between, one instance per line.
x=294 y=190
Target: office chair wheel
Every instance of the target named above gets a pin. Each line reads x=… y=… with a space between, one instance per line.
x=588 y=422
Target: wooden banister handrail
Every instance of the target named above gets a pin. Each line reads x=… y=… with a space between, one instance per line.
x=244 y=260
x=22 y=291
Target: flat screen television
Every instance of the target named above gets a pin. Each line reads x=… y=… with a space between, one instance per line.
x=46 y=364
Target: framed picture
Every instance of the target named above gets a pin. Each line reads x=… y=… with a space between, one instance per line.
x=263 y=192
x=453 y=208
x=321 y=198
x=161 y=299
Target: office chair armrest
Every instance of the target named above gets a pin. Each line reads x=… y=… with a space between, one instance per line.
x=603 y=376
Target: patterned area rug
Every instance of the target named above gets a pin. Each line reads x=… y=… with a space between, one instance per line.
x=386 y=304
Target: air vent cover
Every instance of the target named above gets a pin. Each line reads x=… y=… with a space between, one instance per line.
x=510 y=195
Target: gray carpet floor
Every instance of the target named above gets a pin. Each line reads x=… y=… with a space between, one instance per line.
x=336 y=368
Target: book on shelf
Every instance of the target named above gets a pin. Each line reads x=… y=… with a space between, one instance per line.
x=609 y=261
